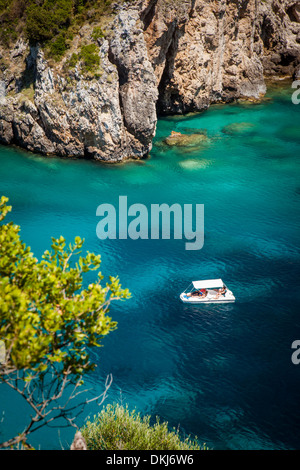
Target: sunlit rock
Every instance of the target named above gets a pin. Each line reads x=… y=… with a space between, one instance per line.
x=186 y=140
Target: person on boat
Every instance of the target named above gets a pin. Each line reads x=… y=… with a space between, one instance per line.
x=192 y=294
x=200 y=293
x=203 y=292
x=222 y=291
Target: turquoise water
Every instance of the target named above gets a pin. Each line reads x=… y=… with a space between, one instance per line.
x=221 y=372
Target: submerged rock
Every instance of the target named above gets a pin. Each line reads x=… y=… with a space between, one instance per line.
x=194 y=164
x=290 y=133
x=238 y=128
x=186 y=140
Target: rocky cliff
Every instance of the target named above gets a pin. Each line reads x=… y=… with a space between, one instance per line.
x=158 y=57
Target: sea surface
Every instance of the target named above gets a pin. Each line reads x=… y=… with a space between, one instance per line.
x=222 y=373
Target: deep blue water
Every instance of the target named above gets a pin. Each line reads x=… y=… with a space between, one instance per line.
x=222 y=372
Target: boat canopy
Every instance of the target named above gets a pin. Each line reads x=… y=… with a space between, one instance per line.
x=208 y=284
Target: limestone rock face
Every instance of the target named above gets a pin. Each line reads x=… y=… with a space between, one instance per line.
x=137 y=82
x=109 y=116
x=209 y=53
x=160 y=56
x=279 y=29
x=204 y=52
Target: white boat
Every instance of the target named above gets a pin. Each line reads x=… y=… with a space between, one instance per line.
x=207 y=291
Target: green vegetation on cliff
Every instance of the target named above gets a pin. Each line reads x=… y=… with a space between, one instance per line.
x=49 y=22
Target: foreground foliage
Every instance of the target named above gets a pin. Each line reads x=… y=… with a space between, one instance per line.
x=48 y=320
x=116 y=428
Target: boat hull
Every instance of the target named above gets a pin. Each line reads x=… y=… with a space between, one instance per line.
x=209 y=299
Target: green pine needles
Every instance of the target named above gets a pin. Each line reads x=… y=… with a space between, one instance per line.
x=116 y=428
